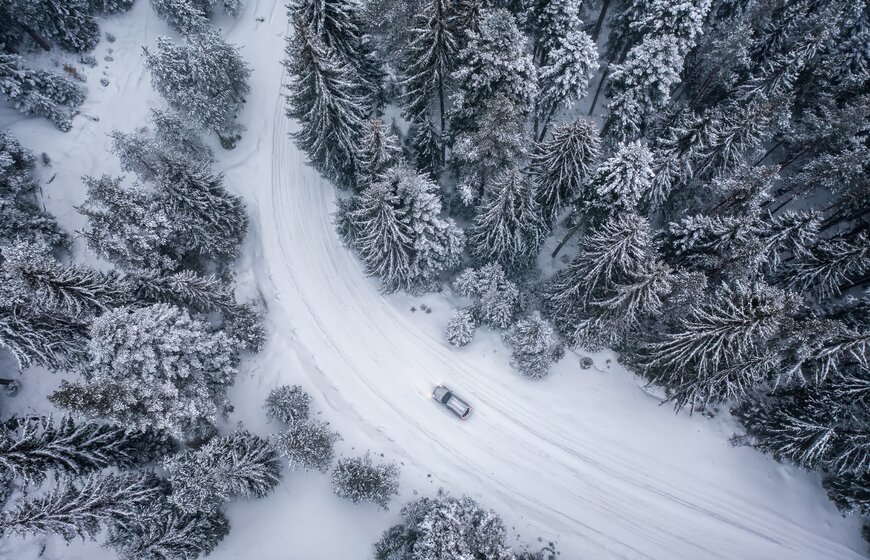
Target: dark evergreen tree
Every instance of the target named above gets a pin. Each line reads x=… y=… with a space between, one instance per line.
x=68 y=22
x=337 y=25
x=237 y=465
x=31 y=447
x=379 y=150
x=427 y=65
x=205 y=80
x=508 y=225
x=560 y=165
x=39 y=92
x=167 y=534
x=325 y=99
x=82 y=509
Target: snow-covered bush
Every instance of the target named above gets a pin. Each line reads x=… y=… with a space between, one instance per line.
x=190 y=16
x=460 y=329
x=445 y=527
x=358 y=479
x=287 y=403
x=532 y=341
x=238 y=465
x=498 y=297
x=154 y=367
x=308 y=444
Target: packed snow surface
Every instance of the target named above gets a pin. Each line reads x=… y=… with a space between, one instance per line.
x=586 y=458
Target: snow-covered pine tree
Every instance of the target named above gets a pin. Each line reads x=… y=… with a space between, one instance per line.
x=561 y=163
x=493 y=63
x=324 y=98
x=238 y=465
x=308 y=444
x=153 y=154
x=611 y=257
x=168 y=534
x=184 y=16
x=460 y=329
x=359 y=479
x=213 y=222
x=186 y=288
x=39 y=92
x=110 y=6
x=54 y=341
x=23 y=219
x=730 y=245
x=130 y=226
x=426 y=69
x=508 y=225
x=189 y=367
x=84 y=508
x=850 y=492
x=498 y=299
x=400 y=235
x=445 y=527
x=379 y=150
x=288 y=403
x=498 y=142
x=69 y=22
x=620 y=183
x=30 y=447
x=205 y=80
x=337 y=25
x=642 y=85
x=531 y=341
x=550 y=23
x=565 y=78
x=832 y=266
x=723 y=347
x=34 y=278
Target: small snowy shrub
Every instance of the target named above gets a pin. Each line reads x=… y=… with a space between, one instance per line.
x=499 y=297
x=288 y=403
x=460 y=329
x=359 y=480
x=308 y=444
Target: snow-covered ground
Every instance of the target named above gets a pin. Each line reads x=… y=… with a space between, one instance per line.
x=585 y=458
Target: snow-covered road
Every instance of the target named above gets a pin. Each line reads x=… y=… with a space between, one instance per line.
x=584 y=458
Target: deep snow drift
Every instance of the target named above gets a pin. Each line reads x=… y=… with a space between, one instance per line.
x=585 y=458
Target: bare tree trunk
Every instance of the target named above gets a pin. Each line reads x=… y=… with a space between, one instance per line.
x=565 y=239
x=35 y=36
x=599 y=88
x=600 y=22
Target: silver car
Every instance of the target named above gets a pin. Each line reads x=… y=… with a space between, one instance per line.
x=456 y=405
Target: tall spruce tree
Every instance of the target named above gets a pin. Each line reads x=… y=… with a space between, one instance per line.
x=205 y=79
x=400 y=234
x=508 y=224
x=560 y=165
x=325 y=99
